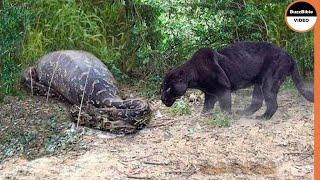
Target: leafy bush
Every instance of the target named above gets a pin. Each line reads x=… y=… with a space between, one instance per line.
x=188 y=25
x=180 y=107
x=220 y=119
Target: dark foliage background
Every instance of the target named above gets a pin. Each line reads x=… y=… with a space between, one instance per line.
x=139 y=40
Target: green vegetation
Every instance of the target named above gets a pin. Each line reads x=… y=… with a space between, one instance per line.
x=288 y=85
x=44 y=130
x=180 y=107
x=47 y=139
x=139 y=40
x=220 y=119
x=13 y=20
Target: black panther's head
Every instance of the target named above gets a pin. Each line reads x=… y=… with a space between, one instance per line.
x=173 y=86
x=203 y=66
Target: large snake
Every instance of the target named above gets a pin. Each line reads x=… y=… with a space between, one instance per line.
x=84 y=81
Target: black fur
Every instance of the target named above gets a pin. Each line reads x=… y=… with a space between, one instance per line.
x=240 y=65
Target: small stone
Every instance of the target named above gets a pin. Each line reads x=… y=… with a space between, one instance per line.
x=158 y=114
x=198 y=126
x=193 y=97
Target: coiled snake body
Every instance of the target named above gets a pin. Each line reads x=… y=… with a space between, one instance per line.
x=83 y=80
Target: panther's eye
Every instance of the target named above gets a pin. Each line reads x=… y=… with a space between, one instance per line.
x=168 y=90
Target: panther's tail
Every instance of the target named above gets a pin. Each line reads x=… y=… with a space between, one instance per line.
x=298 y=82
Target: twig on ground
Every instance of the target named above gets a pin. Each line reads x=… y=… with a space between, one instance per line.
x=163 y=124
x=84 y=89
x=53 y=73
x=139 y=158
x=31 y=83
x=156 y=163
x=137 y=177
x=181 y=172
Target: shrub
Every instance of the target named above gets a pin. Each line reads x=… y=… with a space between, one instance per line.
x=180 y=107
x=220 y=119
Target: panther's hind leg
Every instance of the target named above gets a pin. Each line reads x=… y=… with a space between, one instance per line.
x=256 y=102
x=270 y=90
x=224 y=99
x=270 y=95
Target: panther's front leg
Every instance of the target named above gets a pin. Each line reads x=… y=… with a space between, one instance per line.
x=209 y=102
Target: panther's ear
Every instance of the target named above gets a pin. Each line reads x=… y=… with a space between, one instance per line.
x=219 y=72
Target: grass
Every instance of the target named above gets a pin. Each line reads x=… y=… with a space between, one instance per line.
x=13 y=22
x=1 y=97
x=35 y=131
x=288 y=85
x=220 y=119
x=31 y=29
x=180 y=107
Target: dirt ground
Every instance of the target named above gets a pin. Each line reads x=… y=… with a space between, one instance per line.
x=189 y=147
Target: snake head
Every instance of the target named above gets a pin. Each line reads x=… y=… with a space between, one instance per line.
x=29 y=75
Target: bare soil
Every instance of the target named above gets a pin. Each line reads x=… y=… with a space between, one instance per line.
x=185 y=147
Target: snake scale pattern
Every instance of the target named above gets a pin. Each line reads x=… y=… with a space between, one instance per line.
x=83 y=80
